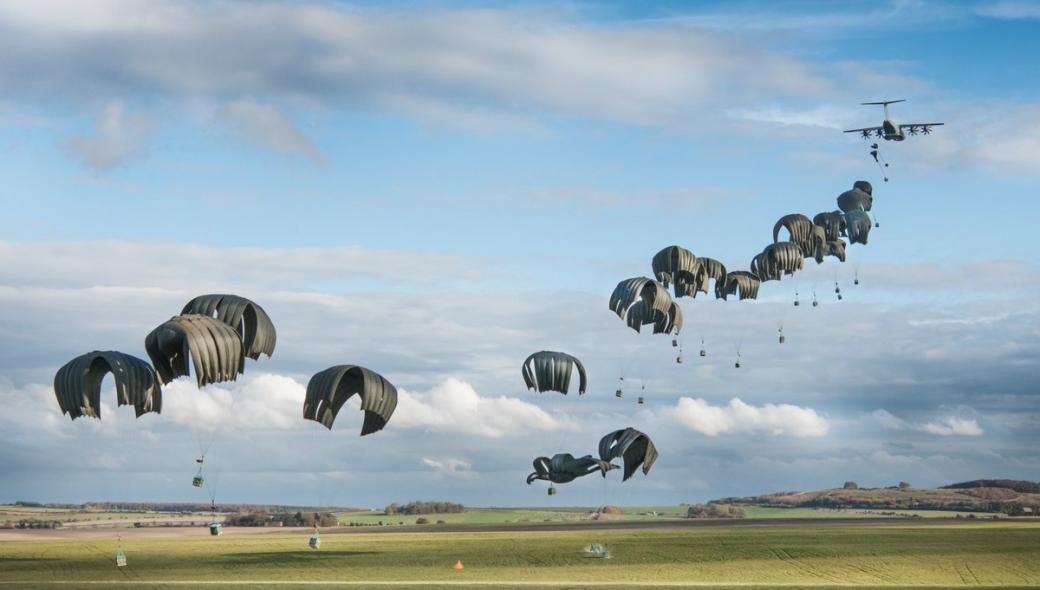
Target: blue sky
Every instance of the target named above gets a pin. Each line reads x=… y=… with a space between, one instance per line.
x=436 y=190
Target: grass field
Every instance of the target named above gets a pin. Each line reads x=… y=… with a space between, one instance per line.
x=885 y=554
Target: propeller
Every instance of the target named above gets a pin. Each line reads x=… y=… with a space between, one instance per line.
x=880 y=133
x=926 y=130
x=866 y=133
x=912 y=129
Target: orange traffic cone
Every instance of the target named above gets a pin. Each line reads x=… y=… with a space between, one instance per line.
x=457 y=566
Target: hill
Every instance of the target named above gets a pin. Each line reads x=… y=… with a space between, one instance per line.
x=992 y=496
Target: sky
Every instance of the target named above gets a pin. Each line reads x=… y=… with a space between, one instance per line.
x=436 y=190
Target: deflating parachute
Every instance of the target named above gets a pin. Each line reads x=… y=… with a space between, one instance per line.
x=564 y=468
x=77 y=384
x=634 y=447
x=328 y=390
x=215 y=349
x=247 y=318
x=708 y=269
x=551 y=371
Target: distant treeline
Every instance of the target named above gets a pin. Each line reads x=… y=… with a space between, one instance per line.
x=1022 y=487
x=200 y=507
x=30 y=523
x=715 y=511
x=423 y=508
x=298 y=518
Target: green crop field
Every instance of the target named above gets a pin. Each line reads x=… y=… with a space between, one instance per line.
x=839 y=555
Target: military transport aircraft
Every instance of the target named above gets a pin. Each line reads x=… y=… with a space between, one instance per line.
x=889 y=129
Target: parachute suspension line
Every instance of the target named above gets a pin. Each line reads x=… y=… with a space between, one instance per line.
x=704 y=351
x=815 y=302
x=875 y=152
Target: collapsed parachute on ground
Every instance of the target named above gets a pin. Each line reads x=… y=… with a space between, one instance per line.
x=551 y=371
x=77 y=384
x=641 y=301
x=676 y=266
x=564 y=468
x=247 y=318
x=632 y=446
x=215 y=349
x=328 y=390
x=738 y=282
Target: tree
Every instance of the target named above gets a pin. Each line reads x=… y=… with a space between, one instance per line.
x=904 y=485
x=850 y=485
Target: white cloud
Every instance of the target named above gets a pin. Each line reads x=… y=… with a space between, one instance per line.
x=119 y=137
x=454 y=406
x=953 y=426
x=945 y=426
x=1010 y=10
x=266 y=126
x=255 y=400
x=739 y=417
x=449 y=467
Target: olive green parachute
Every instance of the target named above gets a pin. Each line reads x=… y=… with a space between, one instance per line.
x=860 y=197
x=835 y=248
x=641 y=301
x=247 y=318
x=777 y=260
x=564 y=468
x=678 y=266
x=215 y=349
x=551 y=371
x=832 y=222
x=803 y=232
x=77 y=384
x=708 y=269
x=857 y=226
x=738 y=282
x=632 y=446
x=328 y=390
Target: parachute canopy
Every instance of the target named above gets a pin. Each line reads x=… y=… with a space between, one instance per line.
x=247 y=318
x=551 y=371
x=641 y=301
x=215 y=349
x=328 y=390
x=77 y=384
x=738 y=282
x=860 y=197
x=858 y=224
x=634 y=447
x=832 y=222
x=676 y=265
x=708 y=269
x=564 y=468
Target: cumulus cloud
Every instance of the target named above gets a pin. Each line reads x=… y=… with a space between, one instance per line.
x=118 y=138
x=450 y=467
x=453 y=406
x=945 y=426
x=266 y=126
x=490 y=60
x=738 y=417
x=254 y=401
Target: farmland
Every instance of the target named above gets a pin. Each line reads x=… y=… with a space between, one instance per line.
x=795 y=552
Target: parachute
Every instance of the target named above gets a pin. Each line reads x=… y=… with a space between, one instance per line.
x=634 y=447
x=215 y=349
x=676 y=265
x=832 y=222
x=328 y=390
x=860 y=197
x=250 y=320
x=564 y=468
x=641 y=301
x=803 y=232
x=77 y=384
x=551 y=371
x=708 y=269
x=835 y=248
x=740 y=282
x=858 y=224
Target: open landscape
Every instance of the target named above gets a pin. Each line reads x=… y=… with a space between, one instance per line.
x=440 y=294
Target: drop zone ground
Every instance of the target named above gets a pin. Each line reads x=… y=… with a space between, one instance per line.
x=788 y=553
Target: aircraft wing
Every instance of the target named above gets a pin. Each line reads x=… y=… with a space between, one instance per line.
x=867 y=131
x=909 y=125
